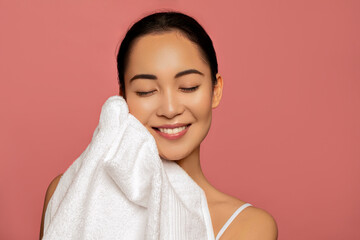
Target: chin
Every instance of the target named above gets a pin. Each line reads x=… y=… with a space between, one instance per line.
x=169 y=158
x=176 y=153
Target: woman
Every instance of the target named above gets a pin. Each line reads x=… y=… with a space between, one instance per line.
x=168 y=75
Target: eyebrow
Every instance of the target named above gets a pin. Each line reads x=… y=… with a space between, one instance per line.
x=153 y=77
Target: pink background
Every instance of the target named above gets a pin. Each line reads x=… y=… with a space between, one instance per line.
x=286 y=136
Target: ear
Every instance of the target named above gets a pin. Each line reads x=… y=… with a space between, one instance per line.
x=217 y=91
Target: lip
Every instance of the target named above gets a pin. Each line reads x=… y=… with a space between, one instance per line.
x=175 y=135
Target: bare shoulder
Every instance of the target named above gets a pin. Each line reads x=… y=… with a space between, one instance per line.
x=49 y=192
x=255 y=224
x=252 y=223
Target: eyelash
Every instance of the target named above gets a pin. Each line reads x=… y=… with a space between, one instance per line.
x=186 y=90
x=143 y=93
x=190 y=89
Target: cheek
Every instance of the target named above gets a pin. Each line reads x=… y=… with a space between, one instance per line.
x=201 y=105
x=141 y=109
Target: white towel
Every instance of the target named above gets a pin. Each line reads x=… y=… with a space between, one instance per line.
x=119 y=188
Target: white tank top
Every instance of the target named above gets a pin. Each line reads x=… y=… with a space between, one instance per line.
x=226 y=225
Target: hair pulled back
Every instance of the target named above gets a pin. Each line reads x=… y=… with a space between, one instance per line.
x=161 y=22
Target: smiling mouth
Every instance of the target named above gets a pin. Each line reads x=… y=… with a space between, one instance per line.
x=172 y=130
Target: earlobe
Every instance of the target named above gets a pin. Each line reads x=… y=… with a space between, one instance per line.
x=217 y=91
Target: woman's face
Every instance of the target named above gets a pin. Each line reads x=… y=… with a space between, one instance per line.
x=161 y=91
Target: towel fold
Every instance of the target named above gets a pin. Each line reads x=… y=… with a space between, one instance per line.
x=119 y=188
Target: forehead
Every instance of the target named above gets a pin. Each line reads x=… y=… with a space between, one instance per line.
x=164 y=53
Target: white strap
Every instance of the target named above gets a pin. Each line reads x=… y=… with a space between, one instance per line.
x=222 y=230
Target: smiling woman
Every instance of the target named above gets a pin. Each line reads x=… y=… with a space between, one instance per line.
x=168 y=75
x=177 y=85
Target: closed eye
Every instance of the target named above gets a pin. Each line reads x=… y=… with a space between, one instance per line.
x=144 y=93
x=190 y=89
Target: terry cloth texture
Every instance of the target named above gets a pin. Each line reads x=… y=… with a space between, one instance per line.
x=119 y=188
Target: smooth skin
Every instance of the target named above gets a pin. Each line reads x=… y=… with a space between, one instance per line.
x=165 y=99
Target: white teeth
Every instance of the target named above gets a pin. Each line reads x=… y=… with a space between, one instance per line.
x=172 y=130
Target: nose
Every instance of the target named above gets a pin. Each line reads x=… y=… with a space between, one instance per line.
x=170 y=105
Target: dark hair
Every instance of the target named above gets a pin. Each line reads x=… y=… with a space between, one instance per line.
x=167 y=21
